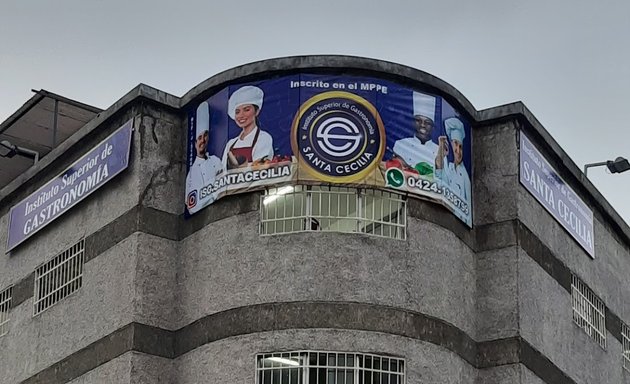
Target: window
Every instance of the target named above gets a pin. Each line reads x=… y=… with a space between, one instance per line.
x=625 y=336
x=5 y=307
x=291 y=209
x=308 y=367
x=58 y=278
x=588 y=311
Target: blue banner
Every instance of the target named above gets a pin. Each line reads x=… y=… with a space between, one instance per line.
x=56 y=197
x=544 y=183
x=319 y=129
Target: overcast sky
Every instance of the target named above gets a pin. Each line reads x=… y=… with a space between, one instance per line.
x=568 y=61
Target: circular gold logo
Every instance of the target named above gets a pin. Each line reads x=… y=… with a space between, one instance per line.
x=338 y=136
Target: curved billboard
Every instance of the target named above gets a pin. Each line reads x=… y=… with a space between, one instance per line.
x=326 y=129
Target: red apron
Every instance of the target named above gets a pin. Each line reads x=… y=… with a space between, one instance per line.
x=243 y=154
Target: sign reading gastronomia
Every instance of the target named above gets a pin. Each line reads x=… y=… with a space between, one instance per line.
x=85 y=176
x=544 y=183
x=306 y=128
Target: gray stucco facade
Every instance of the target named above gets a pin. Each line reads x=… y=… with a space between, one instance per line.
x=167 y=299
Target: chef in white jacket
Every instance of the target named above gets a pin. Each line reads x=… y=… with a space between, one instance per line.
x=252 y=144
x=453 y=174
x=204 y=170
x=420 y=148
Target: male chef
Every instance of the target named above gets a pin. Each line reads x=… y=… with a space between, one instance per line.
x=419 y=151
x=453 y=174
x=204 y=169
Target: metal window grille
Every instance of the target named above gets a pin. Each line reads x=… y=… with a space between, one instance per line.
x=310 y=367
x=5 y=307
x=625 y=335
x=292 y=209
x=58 y=278
x=588 y=311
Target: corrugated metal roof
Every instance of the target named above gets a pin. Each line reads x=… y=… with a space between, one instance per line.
x=42 y=123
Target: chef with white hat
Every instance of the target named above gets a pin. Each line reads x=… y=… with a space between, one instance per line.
x=454 y=175
x=252 y=143
x=205 y=168
x=420 y=148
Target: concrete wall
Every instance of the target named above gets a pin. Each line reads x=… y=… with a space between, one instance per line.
x=131 y=368
x=156 y=287
x=114 y=371
x=462 y=306
x=102 y=305
x=146 y=369
x=496 y=195
x=546 y=322
x=497 y=294
x=161 y=159
x=495 y=173
x=545 y=306
x=100 y=208
x=508 y=374
x=516 y=295
x=606 y=275
x=234 y=360
x=123 y=284
x=227 y=264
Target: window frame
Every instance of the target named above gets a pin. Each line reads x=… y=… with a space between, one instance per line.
x=311 y=213
x=625 y=346
x=303 y=361
x=58 y=277
x=6 y=304
x=589 y=311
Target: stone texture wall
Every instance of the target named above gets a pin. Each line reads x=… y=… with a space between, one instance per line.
x=169 y=300
x=234 y=359
x=227 y=265
x=123 y=284
x=545 y=314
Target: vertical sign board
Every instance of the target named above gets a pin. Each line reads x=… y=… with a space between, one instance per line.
x=86 y=175
x=327 y=129
x=544 y=183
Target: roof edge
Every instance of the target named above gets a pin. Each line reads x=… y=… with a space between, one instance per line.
x=550 y=145
x=322 y=62
x=290 y=64
x=138 y=92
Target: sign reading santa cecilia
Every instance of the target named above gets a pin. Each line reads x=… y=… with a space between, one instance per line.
x=305 y=128
x=544 y=183
x=56 y=197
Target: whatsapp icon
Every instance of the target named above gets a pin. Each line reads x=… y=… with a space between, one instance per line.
x=394 y=178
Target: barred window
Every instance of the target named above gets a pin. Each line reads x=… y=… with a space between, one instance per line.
x=625 y=335
x=58 y=278
x=5 y=307
x=291 y=209
x=309 y=367
x=588 y=311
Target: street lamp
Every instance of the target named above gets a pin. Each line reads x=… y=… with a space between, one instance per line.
x=9 y=150
x=618 y=165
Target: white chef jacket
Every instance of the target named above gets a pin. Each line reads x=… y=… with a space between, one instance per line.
x=457 y=180
x=412 y=151
x=262 y=148
x=202 y=173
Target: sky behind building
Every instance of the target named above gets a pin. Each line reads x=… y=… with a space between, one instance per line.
x=568 y=61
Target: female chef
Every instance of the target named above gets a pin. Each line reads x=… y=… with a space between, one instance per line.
x=253 y=143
